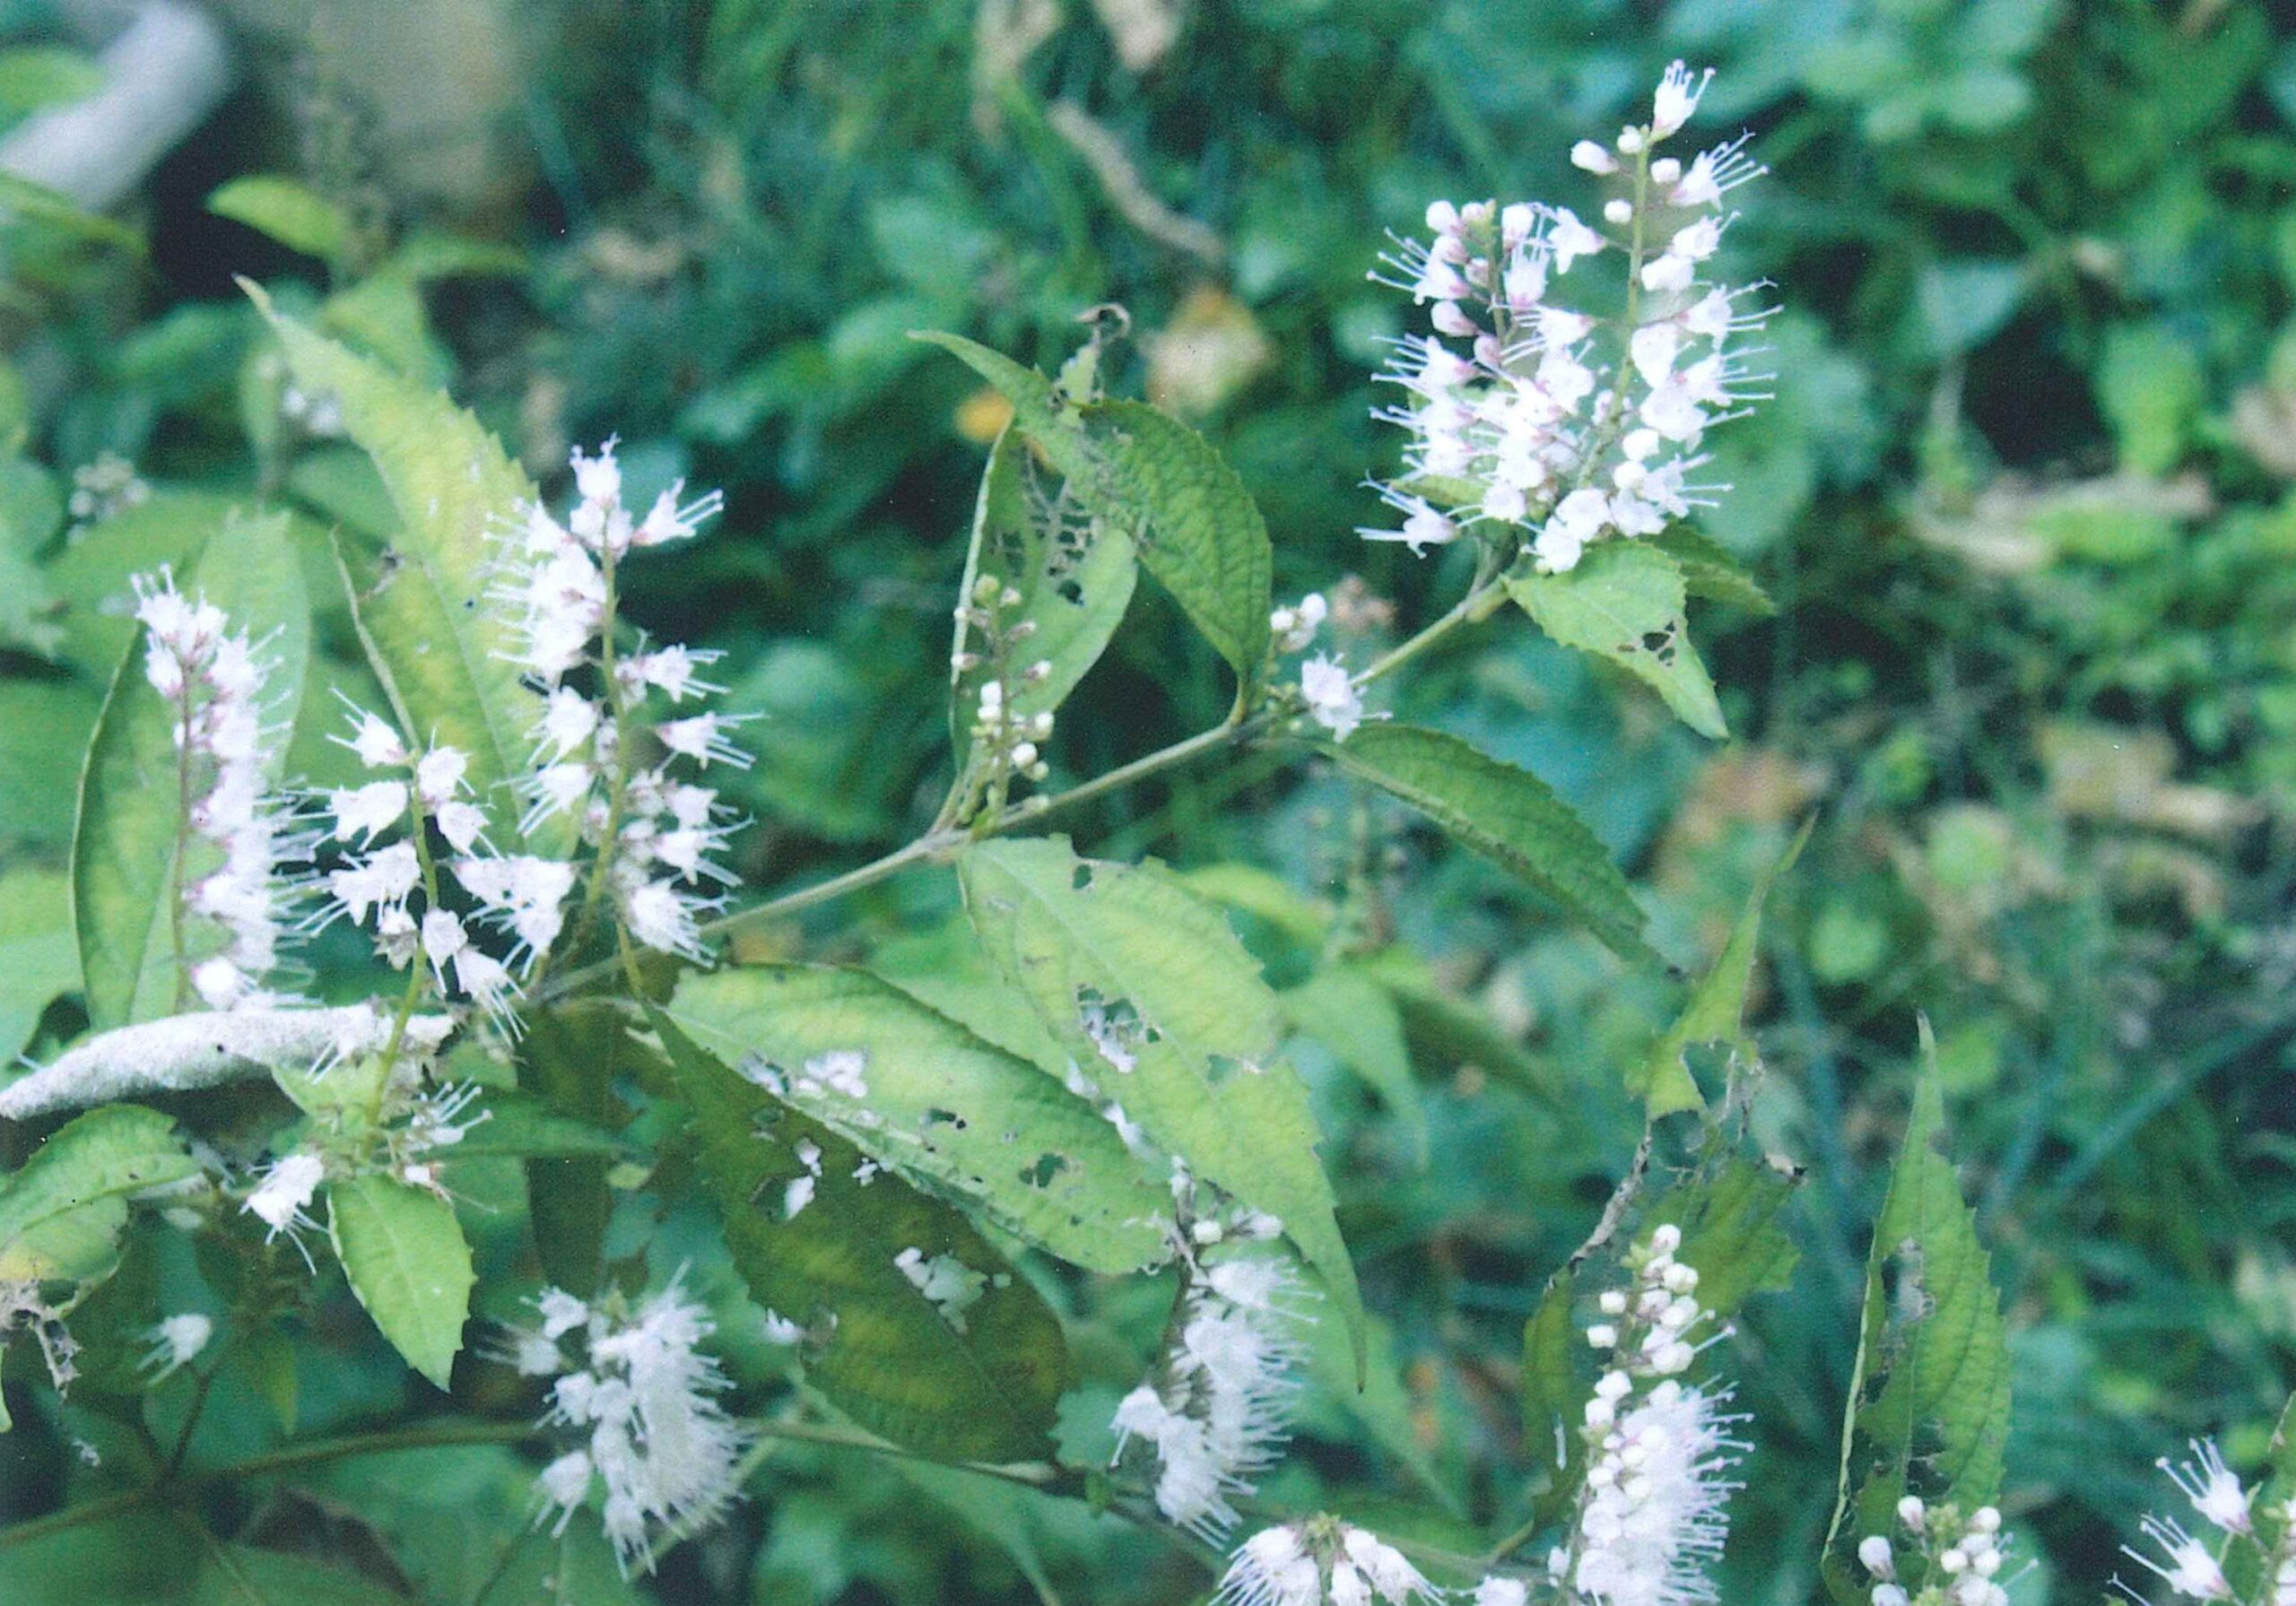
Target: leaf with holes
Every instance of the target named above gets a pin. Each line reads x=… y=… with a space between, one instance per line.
x=444 y=657
x=1715 y=1012
x=1074 y=573
x=1729 y=1216
x=1144 y=985
x=1192 y=523
x=1508 y=815
x=1929 y=1394
x=1624 y=602
x=406 y=1259
x=130 y=857
x=60 y=1216
x=917 y=1092
x=967 y=1367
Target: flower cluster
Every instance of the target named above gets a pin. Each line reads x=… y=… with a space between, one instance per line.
x=2189 y=1566
x=1538 y=424
x=1219 y=1415
x=644 y=1398
x=1319 y=1561
x=1653 y=1513
x=1328 y=691
x=213 y=681
x=654 y=832
x=518 y=893
x=1938 y=1558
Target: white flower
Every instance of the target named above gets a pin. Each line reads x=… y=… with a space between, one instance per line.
x=645 y=1399
x=363 y=812
x=1569 y=239
x=1593 y=157
x=439 y=775
x=1219 y=1415
x=1271 y=1568
x=2191 y=1571
x=175 y=1343
x=1396 y=1579
x=1874 y=1556
x=702 y=738
x=2209 y=1484
x=563 y=1485
x=1676 y=99
x=950 y=1286
x=1495 y=1590
x=286 y=1188
x=1329 y=691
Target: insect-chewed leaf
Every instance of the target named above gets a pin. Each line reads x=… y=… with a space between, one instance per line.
x=1624 y=602
x=60 y=1216
x=1147 y=987
x=126 y=845
x=1715 y=1012
x=1508 y=815
x=1929 y=1395
x=917 y=1092
x=443 y=655
x=1731 y=1235
x=1188 y=515
x=1074 y=574
x=408 y=1261
x=916 y=1327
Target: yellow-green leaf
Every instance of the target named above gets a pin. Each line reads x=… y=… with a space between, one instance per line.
x=1624 y=602
x=917 y=1092
x=1145 y=987
x=409 y=1263
x=287 y=210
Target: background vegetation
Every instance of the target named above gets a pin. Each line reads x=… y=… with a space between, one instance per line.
x=2024 y=500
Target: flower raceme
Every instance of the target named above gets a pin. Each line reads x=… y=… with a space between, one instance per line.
x=212 y=680
x=1551 y=420
x=643 y=1399
x=2195 y=1568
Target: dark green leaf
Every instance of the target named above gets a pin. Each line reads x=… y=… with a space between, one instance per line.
x=1929 y=1395
x=1508 y=815
x=1710 y=571
x=896 y=1362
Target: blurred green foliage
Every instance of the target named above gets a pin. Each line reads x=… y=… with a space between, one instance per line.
x=2023 y=498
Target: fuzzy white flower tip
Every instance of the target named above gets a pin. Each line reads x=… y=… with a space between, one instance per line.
x=2209 y=1484
x=175 y=1343
x=1332 y=700
x=286 y=1188
x=1677 y=97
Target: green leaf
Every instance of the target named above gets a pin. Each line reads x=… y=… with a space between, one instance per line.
x=1354 y=1016
x=243 y=1575
x=289 y=211
x=60 y=1216
x=408 y=1262
x=894 y=1360
x=505 y=1122
x=1715 y=1012
x=35 y=76
x=1143 y=984
x=442 y=654
x=1508 y=815
x=143 y=1559
x=1731 y=1234
x=1074 y=574
x=1557 y=1384
x=1199 y=534
x=567 y=1061
x=125 y=872
x=1446 y=1032
x=1929 y=1394
x=38 y=796
x=937 y=1104
x=1382 y=1406
x=1624 y=602
x=1190 y=519
x=38 y=956
x=1710 y=571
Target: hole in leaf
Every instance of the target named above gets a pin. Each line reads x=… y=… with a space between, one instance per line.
x=1047 y=1167
x=1080 y=879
